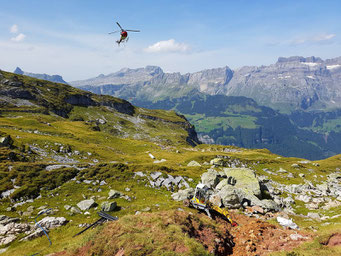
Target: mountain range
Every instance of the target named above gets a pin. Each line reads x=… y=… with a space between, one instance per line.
x=294 y=83
x=290 y=107
x=51 y=78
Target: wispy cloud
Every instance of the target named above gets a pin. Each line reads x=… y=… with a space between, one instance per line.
x=20 y=37
x=313 y=39
x=167 y=46
x=14 y=29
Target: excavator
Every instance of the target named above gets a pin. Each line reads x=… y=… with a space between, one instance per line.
x=200 y=201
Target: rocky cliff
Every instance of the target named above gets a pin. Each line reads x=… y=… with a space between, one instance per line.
x=52 y=78
x=294 y=83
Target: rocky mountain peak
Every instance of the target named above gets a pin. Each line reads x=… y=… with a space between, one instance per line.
x=18 y=71
x=311 y=59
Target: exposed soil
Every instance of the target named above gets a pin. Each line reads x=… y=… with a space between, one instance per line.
x=255 y=237
x=333 y=240
x=251 y=237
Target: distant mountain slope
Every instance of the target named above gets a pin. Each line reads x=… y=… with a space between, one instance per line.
x=111 y=116
x=53 y=78
x=240 y=121
x=291 y=84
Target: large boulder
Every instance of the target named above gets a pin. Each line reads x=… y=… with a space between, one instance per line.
x=210 y=178
x=108 y=206
x=183 y=194
x=229 y=196
x=244 y=179
x=86 y=204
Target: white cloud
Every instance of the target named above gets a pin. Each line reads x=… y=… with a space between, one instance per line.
x=323 y=37
x=313 y=39
x=167 y=46
x=18 y=38
x=14 y=29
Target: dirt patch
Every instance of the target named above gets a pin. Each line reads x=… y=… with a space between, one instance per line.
x=333 y=240
x=255 y=237
x=184 y=233
x=218 y=243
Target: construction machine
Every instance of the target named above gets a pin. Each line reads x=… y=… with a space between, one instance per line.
x=200 y=201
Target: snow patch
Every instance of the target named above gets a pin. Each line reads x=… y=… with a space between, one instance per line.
x=333 y=66
x=310 y=64
x=311 y=77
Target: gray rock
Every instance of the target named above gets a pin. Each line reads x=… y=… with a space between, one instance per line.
x=6 y=141
x=74 y=210
x=108 y=206
x=147 y=209
x=218 y=162
x=155 y=175
x=7 y=239
x=193 y=163
x=114 y=194
x=127 y=189
x=229 y=196
x=183 y=194
x=102 y=183
x=159 y=161
x=86 y=204
x=139 y=174
x=210 y=178
x=215 y=200
x=245 y=180
x=67 y=207
x=313 y=215
x=304 y=198
x=159 y=182
x=52 y=222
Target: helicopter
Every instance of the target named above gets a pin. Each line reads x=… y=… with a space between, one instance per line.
x=124 y=34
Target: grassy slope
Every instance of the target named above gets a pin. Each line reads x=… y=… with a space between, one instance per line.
x=160 y=137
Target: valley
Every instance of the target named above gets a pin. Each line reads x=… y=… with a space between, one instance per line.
x=76 y=153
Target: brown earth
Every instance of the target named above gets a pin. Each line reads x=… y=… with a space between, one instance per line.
x=250 y=238
x=333 y=240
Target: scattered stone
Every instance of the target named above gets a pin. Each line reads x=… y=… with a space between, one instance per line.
x=86 y=204
x=193 y=163
x=102 y=183
x=155 y=175
x=210 y=178
x=295 y=165
x=287 y=223
x=302 y=175
x=313 y=215
x=183 y=194
x=296 y=237
x=140 y=174
x=74 y=210
x=147 y=209
x=137 y=212
x=127 y=189
x=6 y=141
x=159 y=161
x=114 y=194
x=108 y=206
x=52 y=222
x=151 y=156
x=217 y=162
x=281 y=170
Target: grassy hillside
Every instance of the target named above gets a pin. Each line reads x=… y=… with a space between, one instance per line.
x=65 y=145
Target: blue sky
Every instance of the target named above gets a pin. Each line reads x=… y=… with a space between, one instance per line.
x=71 y=38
